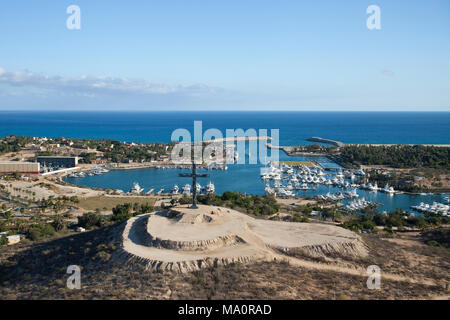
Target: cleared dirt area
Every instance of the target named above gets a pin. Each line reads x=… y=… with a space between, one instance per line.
x=109 y=202
x=295 y=201
x=182 y=239
x=43 y=189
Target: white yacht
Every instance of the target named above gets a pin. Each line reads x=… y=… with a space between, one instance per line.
x=277 y=177
x=269 y=190
x=210 y=188
x=340 y=175
x=388 y=189
x=175 y=190
x=320 y=173
x=98 y=171
x=186 y=189
x=284 y=193
x=351 y=194
x=357 y=205
x=136 y=189
x=304 y=186
x=81 y=174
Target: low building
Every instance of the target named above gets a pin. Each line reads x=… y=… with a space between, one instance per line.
x=12 y=239
x=99 y=161
x=58 y=162
x=19 y=167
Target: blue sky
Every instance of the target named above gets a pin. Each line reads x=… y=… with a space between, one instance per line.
x=211 y=55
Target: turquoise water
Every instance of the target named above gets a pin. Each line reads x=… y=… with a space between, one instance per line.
x=244 y=178
x=295 y=127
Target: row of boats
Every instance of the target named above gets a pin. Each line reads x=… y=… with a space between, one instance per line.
x=435 y=208
x=187 y=189
x=92 y=172
x=374 y=187
x=302 y=178
x=213 y=166
x=338 y=196
x=357 y=205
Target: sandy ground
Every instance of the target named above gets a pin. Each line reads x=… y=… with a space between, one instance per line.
x=53 y=189
x=257 y=235
x=295 y=201
x=23 y=154
x=295 y=235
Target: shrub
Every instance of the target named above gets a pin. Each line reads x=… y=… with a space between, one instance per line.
x=122 y=212
x=3 y=240
x=298 y=218
x=90 y=220
x=434 y=243
x=103 y=256
x=438 y=238
x=389 y=229
x=185 y=199
x=361 y=223
x=257 y=205
x=145 y=208
x=353 y=225
x=3 y=227
x=58 y=223
x=33 y=234
x=41 y=230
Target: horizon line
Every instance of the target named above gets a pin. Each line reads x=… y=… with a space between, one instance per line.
x=219 y=110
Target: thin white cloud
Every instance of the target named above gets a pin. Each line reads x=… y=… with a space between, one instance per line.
x=99 y=86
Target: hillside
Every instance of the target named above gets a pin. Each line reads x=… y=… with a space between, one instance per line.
x=39 y=272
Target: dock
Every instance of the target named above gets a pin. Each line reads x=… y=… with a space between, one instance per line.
x=336 y=143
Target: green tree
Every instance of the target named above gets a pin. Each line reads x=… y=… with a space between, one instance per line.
x=3 y=240
x=58 y=223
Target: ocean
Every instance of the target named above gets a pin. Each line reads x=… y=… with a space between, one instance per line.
x=295 y=127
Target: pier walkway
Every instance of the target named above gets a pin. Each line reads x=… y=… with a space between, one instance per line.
x=327 y=141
